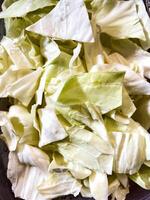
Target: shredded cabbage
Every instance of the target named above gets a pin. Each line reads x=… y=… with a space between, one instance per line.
x=76 y=73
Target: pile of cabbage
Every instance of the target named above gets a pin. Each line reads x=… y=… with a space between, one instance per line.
x=76 y=74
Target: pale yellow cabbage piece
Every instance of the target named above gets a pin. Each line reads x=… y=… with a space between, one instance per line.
x=59 y=184
x=99 y=186
x=119 y=19
x=77 y=170
x=133 y=53
x=14 y=83
x=24 y=175
x=102 y=89
x=49 y=49
x=93 y=52
x=69 y=20
x=5 y=61
x=88 y=115
x=88 y=150
x=22 y=123
x=131 y=144
x=51 y=129
x=134 y=82
x=22 y=7
x=142 y=177
x=33 y=156
x=8 y=135
x=22 y=52
x=145 y=21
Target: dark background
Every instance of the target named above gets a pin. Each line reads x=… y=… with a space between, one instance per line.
x=136 y=193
